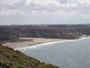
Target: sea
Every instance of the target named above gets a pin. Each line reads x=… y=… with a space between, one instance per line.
x=65 y=54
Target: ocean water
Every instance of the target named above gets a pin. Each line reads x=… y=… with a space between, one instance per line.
x=66 y=54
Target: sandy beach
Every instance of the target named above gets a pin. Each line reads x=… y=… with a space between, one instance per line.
x=23 y=42
x=29 y=41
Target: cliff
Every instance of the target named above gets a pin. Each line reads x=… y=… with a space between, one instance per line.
x=15 y=59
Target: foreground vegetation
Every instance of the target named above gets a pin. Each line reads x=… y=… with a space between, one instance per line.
x=15 y=59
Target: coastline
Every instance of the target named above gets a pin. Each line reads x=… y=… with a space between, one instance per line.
x=50 y=43
x=26 y=42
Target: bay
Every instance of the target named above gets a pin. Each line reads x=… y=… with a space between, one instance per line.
x=67 y=54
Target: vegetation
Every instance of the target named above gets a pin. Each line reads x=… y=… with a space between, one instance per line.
x=44 y=31
x=15 y=59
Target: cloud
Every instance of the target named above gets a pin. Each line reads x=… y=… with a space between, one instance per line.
x=10 y=2
x=46 y=2
x=84 y=2
x=63 y=1
x=27 y=2
x=11 y=12
x=44 y=7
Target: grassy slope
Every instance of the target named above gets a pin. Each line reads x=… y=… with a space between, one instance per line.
x=15 y=59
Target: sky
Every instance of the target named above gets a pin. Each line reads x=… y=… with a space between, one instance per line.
x=14 y=12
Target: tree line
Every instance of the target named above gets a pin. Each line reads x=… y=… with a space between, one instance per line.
x=43 y=31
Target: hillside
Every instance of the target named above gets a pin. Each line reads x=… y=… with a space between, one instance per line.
x=15 y=59
x=56 y=31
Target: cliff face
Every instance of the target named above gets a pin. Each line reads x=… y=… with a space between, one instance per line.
x=64 y=32
x=15 y=59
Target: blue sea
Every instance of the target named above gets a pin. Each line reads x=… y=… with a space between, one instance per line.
x=65 y=54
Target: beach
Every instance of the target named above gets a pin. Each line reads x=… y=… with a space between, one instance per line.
x=27 y=41
x=73 y=53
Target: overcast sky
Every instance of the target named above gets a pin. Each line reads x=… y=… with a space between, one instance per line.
x=44 y=12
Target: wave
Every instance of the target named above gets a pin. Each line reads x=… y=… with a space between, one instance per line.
x=48 y=43
x=36 y=45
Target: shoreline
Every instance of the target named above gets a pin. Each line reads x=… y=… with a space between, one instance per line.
x=26 y=42
x=49 y=43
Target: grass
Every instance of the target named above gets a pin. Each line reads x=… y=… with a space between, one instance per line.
x=15 y=59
